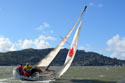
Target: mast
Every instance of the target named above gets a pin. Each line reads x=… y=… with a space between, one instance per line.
x=71 y=29
x=50 y=57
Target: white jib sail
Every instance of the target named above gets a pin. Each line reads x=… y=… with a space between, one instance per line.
x=48 y=59
x=71 y=53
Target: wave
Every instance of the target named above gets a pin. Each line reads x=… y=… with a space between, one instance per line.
x=5 y=79
x=43 y=81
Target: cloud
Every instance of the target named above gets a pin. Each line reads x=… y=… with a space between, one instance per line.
x=43 y=26
x=46 y=38
x=48 y=32
x=39 y=43
x=92 y=4
x=6 y=44
x=85 y=47
x=82 y=48
x=25 y=44
x=116 y=45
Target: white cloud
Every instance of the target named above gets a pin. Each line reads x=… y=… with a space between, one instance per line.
x=114 y=54
x=48 y=32
x=82 y=48
x=39 y=43
x=43 y=26
x=12 y=48
x=46 y=38
x=123 y=54
x=116 y=45
x=85 y=47
x=5 y=44
x=26 y=44
x=92 y=4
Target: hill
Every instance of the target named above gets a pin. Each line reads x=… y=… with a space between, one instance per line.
x=33 y=56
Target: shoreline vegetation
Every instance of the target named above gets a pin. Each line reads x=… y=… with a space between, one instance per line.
x=33 y=56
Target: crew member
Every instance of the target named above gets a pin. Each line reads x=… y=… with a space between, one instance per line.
x=20 y=69
x=27 y=69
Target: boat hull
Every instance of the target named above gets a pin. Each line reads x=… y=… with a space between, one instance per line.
x=36 y=77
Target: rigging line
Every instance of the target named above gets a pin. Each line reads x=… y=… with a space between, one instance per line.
x=81 y=15
x=70 y=31
x=66 y=41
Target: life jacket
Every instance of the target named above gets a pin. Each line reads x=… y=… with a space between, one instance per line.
x=28 y=67
x=20 y=69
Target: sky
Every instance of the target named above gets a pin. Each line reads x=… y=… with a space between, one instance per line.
x=41 y=24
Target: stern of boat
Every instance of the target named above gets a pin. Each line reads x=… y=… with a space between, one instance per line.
x=16 y=74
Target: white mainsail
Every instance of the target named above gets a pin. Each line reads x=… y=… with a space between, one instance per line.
x=49 y=58
x=71 y=53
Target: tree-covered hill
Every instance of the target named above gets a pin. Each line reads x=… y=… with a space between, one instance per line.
x=33 y=56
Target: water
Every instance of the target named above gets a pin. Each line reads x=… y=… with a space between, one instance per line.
x=76 y=74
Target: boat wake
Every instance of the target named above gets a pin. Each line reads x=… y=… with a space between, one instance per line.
x=10 y=80
x=6 y=79
x=43 y=81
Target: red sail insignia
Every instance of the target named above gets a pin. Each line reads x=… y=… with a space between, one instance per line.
x=71 y=52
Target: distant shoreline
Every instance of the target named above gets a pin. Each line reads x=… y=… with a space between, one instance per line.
x=33 y=56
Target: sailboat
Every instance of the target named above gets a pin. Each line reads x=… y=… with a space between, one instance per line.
x=47 y=74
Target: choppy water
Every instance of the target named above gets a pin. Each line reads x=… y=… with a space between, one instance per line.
x=76 y=74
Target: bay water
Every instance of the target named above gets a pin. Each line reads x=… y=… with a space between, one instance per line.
x=75 y=74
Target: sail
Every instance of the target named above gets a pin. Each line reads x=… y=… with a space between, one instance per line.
x=71 y=53
x=49 y=58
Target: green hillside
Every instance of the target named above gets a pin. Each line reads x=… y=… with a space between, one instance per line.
x=33 y=56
